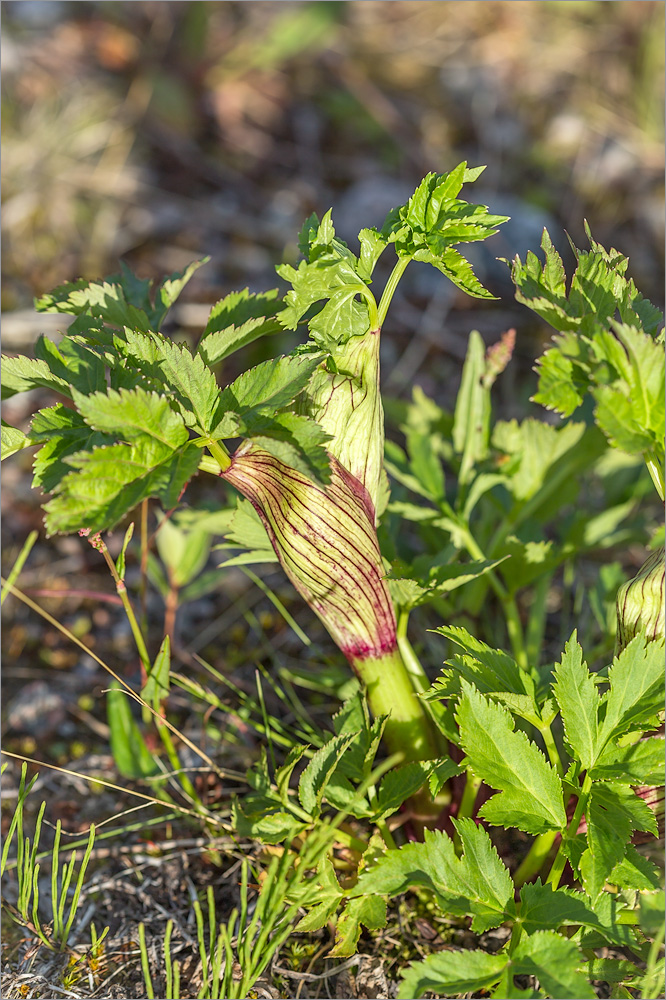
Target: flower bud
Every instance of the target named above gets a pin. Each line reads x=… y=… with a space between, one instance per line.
x=640 y=603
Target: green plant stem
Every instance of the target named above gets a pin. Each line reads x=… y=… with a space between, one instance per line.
x=390 y=287
x=391 y=692
x=220 y=454
x=507 y=600
x=560 y=861
x=516 y=934
x=551 y=748
x=129 y=610
x=409 y=658
x=535 y=858
x=472 y=785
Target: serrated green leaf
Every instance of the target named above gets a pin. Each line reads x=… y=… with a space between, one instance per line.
x=262 y=390
x=284 y=773
x=554 y=961
x=613 y=812
x=264 y=821
x=641 y=763
x=131 y=414
x=544 y=908
x=20 y=374
x=315 y=777
x=490 y=670
x=169 y=289
x=74 y=362
x=611 y=970
x=410 y=593
x=329 y=272
x=577 y=696
x=295 y=439
x=62 y=432
x=180 y=373
x=13 y=440
x=110 y=481
x=440 y=774
x=476 y=883
x=452 y=972
x=367 y=910
x=399 y=785
x=636 y=688
x=106 y=300
x=238 y=308
x=530 y=791
x=636 y=872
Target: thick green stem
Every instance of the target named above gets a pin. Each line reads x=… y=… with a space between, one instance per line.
x=391 y=692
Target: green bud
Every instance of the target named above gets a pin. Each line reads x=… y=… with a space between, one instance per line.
x=347 y=403
x=640 y=603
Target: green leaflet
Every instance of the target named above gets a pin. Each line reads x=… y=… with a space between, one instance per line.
x=236 y=321
x=367 y=910
x=410 y=593
x=262 y=390
x=184 y=375
x=476 y=883
x=544 y=908
x=554 y=960
x=21 y=374
x=317 y=774
x=122 y=300
x=13 y=440
x=452 y=972
x=619 y=362
x=614 y=811
x=109 y=481
x=331 y=272
x=530 y=791
x=130 y=414
x=641 y=763
x=636 y=688
x=578 y=699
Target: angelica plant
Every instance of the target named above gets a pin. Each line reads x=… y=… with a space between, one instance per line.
x=148 y=415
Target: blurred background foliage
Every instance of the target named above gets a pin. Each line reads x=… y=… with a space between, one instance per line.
x=158 y=131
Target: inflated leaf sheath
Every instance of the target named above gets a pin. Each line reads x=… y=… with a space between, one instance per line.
x=640 y=603
x=325 y=539
x=348 y=405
